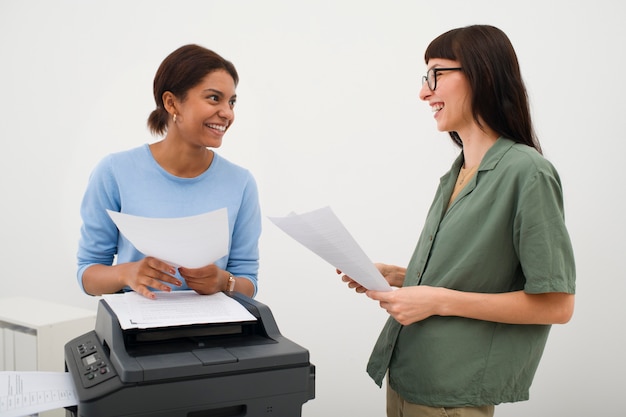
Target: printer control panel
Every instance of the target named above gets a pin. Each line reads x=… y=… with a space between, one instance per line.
x=91 y=361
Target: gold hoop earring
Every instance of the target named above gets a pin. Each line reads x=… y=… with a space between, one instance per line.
x=174 y=117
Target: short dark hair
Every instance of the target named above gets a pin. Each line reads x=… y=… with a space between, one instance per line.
x=489 y=62
x=180 y=71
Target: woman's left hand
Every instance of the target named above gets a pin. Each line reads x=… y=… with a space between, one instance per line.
x=415 y=303
x=205 y=280
x=408 y=304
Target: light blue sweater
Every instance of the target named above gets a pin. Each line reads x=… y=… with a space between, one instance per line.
x=133 y=182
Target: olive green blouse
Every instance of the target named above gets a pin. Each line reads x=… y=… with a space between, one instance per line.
x=504 y=232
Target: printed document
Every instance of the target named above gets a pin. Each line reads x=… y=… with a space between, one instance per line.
x=324 y=234
x=29 y=393
x=192 y=242
x=175 y=308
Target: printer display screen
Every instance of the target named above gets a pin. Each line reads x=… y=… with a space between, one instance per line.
x=88 y=360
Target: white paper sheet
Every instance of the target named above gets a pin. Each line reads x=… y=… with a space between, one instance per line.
x=324 y=234
x=192 y=242
x=175 y=308
x=28 y=393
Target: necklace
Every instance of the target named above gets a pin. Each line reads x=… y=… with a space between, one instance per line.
x=465 y=173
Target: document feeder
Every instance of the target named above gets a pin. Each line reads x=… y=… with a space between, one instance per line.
x=225 y=369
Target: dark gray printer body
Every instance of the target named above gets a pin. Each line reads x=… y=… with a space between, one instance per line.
x=213 y=370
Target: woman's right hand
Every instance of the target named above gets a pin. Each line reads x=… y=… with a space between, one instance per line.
x=148 y=273
x=352 y=283
x=394 y=275
x=141 y=276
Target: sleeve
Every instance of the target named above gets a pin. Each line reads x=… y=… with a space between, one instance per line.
x=243 y=259
x=544 y=245
x=98 y=234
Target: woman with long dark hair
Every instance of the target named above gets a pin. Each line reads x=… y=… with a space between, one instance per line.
x=494 y=267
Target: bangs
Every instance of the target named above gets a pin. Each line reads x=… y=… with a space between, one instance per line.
x=444 y=47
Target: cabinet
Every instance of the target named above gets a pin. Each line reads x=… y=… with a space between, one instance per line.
x=33 y=334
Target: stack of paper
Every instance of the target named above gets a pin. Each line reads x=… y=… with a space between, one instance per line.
x=324 y=234
x=28 y=393
x=175 y=308
x=192 y=242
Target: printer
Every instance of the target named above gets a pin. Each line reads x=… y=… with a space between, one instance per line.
x=208 y=370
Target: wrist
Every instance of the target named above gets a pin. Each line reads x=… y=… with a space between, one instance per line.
x=230 y=282
x=442 y=298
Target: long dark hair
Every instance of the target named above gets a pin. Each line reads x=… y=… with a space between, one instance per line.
x=180 y=71
x=489 y=62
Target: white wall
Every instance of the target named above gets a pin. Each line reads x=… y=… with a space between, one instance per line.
x=328 y=114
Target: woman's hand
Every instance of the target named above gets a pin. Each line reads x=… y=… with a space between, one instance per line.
x=415 y=303
x=148 y=273
x=141 y=276
x=408 y=304
x=352 y=283
x=205 y=280
x=394 y=275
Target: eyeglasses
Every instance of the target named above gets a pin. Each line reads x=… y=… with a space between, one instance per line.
x=432 y=75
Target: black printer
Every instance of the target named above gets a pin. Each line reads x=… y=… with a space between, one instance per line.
x=209 y=370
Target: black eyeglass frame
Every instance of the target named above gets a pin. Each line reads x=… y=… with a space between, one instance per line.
x=434 y=71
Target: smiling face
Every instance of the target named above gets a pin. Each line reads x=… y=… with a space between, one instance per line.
x=451 y=99
x=207 y=111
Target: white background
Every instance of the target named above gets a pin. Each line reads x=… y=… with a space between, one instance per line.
x=328 y=114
